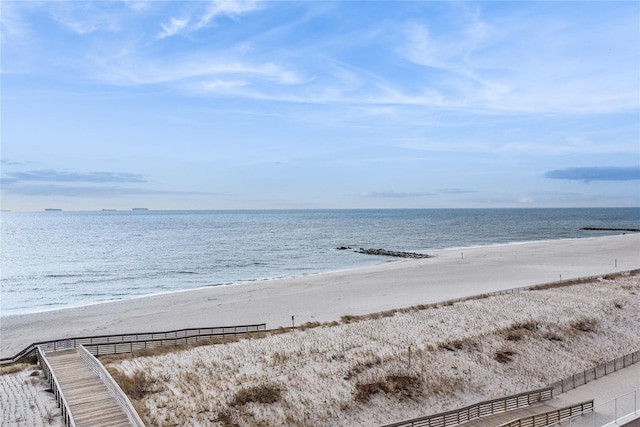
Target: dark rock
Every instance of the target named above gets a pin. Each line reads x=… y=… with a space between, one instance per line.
x=398 y=254
x=610 y=229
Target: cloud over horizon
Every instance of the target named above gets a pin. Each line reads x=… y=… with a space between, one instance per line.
x=393 y=194
x=52 y=190
x=588 y=174
x=51 y=175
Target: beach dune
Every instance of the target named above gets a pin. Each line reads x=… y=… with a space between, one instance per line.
x=449 y=274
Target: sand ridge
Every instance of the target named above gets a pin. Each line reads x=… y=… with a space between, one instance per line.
x=362 y=373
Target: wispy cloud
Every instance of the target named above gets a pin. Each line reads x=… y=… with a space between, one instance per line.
x=86 y=17
x=199 y=18
x=87 y=191
x=216 y=8
x=138 y=5
x=14 y=26
x=174 y=26
x=486 y=62
x=219 y=85
x=394 y=194
x=51 y=175
x=52 y=182
x=8 y=162
x=455 y=191
x=506 y=63
x=198 y=74
x=588 y=174
x=554 y=194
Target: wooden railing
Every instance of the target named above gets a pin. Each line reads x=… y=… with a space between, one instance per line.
x=66 y=343
x=102 y=349
x=112 y=386
x=489 y=407
x=67 y=416
x=551 y=417
x=119 y=344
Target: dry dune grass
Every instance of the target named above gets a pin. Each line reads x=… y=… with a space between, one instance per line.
x=24 y=400
x=362 y=372
x=16 y=367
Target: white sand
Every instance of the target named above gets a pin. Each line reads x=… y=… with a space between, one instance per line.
x=25 y=401
x=329 y=296
x=461 y=354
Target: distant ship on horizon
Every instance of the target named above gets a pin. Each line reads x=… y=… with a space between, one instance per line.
x=52 y=210
x=140 y=209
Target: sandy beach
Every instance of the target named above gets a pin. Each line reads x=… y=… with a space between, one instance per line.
x=324 y=297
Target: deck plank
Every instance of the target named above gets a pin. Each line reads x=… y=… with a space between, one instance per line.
x=89 y=400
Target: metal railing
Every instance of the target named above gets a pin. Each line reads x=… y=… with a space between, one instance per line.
x=67 y=416
x=588 y=375
x=551 y=417
x=455 y=417
x=112 y=386
x=478 y=410
x=614 y=412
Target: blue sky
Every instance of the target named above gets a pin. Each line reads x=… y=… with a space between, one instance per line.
x=317 y=104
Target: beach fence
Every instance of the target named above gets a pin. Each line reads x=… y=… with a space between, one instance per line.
x=453 y=418
x=542 y=286
x=599 y=371
x=489 y=407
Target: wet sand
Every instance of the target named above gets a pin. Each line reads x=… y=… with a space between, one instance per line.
x=325 y=297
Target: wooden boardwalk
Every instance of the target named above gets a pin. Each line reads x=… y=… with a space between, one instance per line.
x=88 y=397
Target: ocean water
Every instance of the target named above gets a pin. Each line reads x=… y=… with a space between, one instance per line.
x=53 y=260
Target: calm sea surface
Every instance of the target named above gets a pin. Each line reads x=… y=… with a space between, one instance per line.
x=53 y=260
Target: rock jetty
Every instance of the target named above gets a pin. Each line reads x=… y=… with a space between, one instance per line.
x=385 y=252
x=611 y=229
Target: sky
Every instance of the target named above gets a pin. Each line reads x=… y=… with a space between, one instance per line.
x=319 y=104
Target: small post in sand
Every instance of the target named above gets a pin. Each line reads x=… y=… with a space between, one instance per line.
x=293 y=324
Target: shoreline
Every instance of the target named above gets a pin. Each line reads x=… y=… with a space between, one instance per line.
x=328 y=296
x=384 y=260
